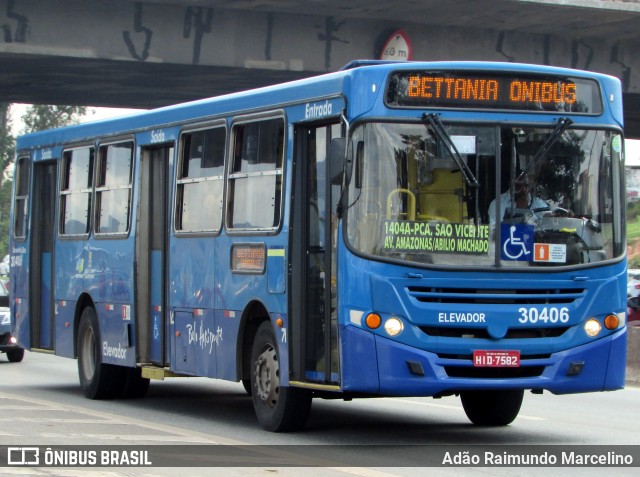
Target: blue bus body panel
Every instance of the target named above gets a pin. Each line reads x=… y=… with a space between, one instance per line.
x=18 y=292
x=383 y=365
x=103 y=270
x=598 y=373
x=209 y=300
x=157 y=332
x=45 y=300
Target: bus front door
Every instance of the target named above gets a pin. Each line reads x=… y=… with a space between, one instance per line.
x=42 y=262
x=315 y=359
x=151 y=242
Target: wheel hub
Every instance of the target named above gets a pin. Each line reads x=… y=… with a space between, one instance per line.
x=267 y=379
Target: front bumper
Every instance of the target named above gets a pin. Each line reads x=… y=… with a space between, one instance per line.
x=385 y=367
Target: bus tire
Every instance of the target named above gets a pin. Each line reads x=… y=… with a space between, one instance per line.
x=15 y=355
x=278 y=408
x=97 y=379
x=492 y=408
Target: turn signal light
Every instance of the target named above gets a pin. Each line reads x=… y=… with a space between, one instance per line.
x=611 y=322
x=373 y=321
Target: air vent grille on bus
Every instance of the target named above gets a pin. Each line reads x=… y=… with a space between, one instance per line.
x=494 y=373
x=495 y=296
x=482 y=333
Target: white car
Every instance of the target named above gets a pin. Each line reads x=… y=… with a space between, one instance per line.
x=8 y=343
x=633 y=283
x=4 y=266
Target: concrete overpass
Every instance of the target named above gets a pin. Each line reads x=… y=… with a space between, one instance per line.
x=149 y=53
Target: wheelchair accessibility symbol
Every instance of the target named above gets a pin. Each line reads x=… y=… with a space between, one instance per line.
x=517 y=242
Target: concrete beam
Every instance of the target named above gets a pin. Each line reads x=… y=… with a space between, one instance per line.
x=155 y=52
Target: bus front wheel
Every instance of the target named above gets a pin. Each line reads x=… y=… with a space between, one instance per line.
x=278 y=408
x=492 y=408
x=97 y=379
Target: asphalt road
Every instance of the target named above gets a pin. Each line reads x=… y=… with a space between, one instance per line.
x=41 y=405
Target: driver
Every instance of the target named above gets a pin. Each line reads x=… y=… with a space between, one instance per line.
x=523 y=200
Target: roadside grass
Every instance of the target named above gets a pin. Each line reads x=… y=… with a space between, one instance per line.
x=633 y=229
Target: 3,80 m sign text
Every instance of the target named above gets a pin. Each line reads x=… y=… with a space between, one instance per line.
x=547 y=314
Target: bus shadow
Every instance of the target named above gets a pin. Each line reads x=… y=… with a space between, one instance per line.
x=225 y=407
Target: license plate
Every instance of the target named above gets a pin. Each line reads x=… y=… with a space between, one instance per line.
x=496 y=359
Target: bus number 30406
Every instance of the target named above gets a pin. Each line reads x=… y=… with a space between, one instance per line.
x=546 y=314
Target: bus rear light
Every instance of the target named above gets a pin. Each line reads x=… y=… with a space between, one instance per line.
x=373 y=321
x=611 y=322
x=13 y=340
x=592 y=327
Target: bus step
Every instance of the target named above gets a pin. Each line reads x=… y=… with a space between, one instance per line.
x=154 y=372
x=42 y=350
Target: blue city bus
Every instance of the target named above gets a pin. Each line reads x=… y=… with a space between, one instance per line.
x=390 y=229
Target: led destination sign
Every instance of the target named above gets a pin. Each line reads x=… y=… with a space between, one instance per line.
x=475 y=90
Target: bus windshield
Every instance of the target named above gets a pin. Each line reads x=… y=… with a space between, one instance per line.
x=485 y=195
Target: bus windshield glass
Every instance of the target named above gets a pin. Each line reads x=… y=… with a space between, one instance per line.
x=486 y=195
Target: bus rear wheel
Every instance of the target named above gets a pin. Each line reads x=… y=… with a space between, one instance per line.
x=278 y=408
x=97 y=379
x=492 y=408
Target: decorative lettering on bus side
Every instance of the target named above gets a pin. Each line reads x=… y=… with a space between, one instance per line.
x=117 y=352
x=318 y=110
x=46 y=154
x=17 y=254
x=204 y=337
x=157 y=135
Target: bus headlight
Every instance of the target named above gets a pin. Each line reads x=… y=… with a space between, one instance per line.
x=592 y=327
x=393 y=326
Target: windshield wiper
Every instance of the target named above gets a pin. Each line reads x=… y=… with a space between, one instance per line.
x=558 y=130
x=442 y=134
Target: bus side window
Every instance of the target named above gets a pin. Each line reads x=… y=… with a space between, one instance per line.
x=255 y=178
x=200 y=181
x=23 y=169
x=113 y=188
x=75 y=191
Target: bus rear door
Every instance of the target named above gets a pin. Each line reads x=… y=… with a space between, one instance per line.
x=41 y=271
x=151 y=243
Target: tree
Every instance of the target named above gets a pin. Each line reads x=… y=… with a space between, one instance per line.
x=7 y=153
x=7 y=141
x=36 y=118
x=44 y=116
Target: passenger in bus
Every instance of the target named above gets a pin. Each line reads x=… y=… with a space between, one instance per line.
x=524 y=202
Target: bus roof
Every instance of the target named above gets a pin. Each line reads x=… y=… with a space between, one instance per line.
x=245 y=102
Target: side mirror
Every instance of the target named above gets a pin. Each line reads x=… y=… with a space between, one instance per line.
x=340 y=161
x=359 y=164
x=633 y=302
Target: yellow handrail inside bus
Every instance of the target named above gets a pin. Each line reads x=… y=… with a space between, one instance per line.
x=411 y=206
